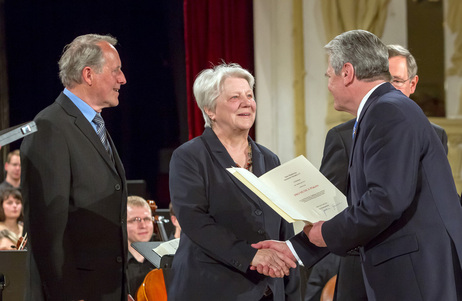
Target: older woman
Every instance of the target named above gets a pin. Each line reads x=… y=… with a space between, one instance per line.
x=11 y=213
x=220 y=218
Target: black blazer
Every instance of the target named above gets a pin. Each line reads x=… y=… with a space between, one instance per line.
x=220 y=218
x=75 y=202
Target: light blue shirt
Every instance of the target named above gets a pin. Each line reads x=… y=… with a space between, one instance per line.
x=86 y=110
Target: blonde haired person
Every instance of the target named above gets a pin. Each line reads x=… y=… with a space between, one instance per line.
x=139 y=228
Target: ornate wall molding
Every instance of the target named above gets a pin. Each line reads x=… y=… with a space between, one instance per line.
x=453 y=128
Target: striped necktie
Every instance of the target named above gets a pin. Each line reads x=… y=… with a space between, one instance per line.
x=102 y=133
x=354 y=129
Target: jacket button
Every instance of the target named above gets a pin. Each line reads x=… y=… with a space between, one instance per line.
x=258 y=212
x=117 y=187
x=119 y=259
x=261 y=231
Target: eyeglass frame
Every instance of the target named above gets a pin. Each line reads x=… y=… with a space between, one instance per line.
x=139 y=220
x=400 y=82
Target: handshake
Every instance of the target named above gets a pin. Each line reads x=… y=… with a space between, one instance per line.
x=275 y=258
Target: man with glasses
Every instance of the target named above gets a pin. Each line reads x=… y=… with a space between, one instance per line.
x=334 y=166
x=139 y=228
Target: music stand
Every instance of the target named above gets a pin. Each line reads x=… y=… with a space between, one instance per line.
x=17 y=132
x=145 y=249
x=12 y=275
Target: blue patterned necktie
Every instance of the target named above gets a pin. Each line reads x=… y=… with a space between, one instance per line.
x=354 y=129
x=102 y=133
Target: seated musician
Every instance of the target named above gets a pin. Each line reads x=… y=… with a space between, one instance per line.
x=11 y=212
x=139 y=228
x=177 y=231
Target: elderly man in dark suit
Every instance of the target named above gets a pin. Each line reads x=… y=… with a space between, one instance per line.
x=74 y=183
x=404 y=216
x=403 y=69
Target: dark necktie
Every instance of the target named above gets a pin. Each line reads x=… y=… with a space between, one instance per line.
x=102 y=133
x=354 y=129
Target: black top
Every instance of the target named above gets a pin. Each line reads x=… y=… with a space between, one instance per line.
x=136 y=272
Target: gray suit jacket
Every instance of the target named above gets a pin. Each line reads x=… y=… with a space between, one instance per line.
x=75 y=209
x=220 y=218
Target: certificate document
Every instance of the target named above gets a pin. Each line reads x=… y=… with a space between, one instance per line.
x=296 y=190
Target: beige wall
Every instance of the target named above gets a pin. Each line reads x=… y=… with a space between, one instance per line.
x=274 y=73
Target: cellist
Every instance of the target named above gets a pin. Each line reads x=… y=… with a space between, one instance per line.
x=139 y=228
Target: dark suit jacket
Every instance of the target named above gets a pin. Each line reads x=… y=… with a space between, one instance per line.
x=404 y=213
x=334 y=166
x=219 y=219
x=75 y=202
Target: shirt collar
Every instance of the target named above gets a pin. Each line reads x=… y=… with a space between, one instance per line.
x=365 y=98
x=86 y=110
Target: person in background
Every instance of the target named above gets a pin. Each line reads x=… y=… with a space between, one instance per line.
x=139 y=228
x=219 y=216
x=12 y=170
x=73 y=183
x=403 y=69
x=8 y=240
x=11 y=212
x=176 y=233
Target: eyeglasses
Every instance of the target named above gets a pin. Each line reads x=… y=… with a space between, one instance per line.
x=139 y=220
x=399 y=82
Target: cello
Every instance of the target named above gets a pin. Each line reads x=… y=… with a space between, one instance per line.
x=153 y=286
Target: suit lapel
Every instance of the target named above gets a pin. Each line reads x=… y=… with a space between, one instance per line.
x=381 y=90
x=220 y=154
x=117 y=162
x=85 y=127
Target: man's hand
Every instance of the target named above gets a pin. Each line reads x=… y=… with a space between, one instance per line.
x=273 y=258
x=279 y=246
x=314 y=234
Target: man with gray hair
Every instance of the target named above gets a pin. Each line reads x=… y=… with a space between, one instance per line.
x=334 y=165
x=74 y=184
x=404 y=216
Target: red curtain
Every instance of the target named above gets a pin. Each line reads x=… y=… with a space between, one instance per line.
x=215 y=31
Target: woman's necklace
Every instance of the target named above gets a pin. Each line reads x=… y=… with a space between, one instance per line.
x=248 y=165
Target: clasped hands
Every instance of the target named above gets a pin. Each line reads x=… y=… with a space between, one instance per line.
x=274 y=258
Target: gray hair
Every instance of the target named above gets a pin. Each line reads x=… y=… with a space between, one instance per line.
x=362 y=49
x=398 y=50
x=209 y=85
x=82 y=52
